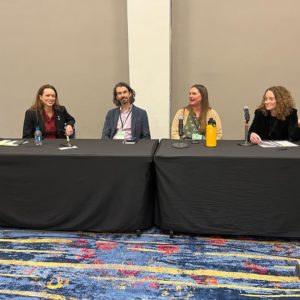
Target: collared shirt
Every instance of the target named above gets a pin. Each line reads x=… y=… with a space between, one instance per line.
x=124 y=122
x=50 y=127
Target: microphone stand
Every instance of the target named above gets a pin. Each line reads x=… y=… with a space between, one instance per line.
x=180 y=144
x=246 y=143
x=68 y=143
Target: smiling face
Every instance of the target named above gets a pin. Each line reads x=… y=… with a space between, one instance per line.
x=48 y=97
x=194 y=97
x=123 y=95
x=270 y=101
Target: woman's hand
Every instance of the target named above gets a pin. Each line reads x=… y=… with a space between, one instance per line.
x=298 y=122
x=255 y=138
x=69 y=130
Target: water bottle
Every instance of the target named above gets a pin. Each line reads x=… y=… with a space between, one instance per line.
x=38 y=137
x=211 y=133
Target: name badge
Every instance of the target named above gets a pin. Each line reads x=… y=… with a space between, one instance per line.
x=120 y=135
x=197 y=136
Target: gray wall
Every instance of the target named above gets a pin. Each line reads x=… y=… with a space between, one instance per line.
x=78 y=46
x=237 y=49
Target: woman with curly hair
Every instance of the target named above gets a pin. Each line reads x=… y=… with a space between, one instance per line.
x=276 y=118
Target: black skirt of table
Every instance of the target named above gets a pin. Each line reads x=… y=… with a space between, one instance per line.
x=102 y=185
x=229 y=189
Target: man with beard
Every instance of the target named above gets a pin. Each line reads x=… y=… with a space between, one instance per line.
x=126 y=121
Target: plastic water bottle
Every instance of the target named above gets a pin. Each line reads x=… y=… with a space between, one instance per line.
x=38 y=137
x=211 y=133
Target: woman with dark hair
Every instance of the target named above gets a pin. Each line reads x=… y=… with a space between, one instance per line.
x=53 y=119
x=276 y=117
x=196 y=115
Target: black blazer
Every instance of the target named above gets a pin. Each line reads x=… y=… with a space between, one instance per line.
x=33 y=119
x=271 y=128
x=139 y=124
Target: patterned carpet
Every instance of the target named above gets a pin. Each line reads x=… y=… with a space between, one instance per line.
x=64 y=265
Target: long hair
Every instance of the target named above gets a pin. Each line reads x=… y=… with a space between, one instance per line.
x=123 y=84
x=284 y=102
x=204 y=106
x=38 y=105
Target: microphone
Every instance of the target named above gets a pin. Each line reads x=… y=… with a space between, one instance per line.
x=180 y=144
x=180 y=126
x=246 y=114
x=68 y=142
x=247 y=119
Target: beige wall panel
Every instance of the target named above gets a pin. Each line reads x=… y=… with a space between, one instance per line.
x=237 y=49
x=149 y=60
x=78 y=46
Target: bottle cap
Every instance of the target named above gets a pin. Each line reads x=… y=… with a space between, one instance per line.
x=211 y=121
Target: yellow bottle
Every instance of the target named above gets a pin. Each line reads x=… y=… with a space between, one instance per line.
x=211 y=133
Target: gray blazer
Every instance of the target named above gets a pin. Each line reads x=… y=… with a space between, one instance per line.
x=139 y=124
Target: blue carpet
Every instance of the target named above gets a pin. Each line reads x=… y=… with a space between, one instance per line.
x=64 y=265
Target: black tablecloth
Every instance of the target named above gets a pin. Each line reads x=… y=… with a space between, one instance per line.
x=229 y=189
x=103 y=185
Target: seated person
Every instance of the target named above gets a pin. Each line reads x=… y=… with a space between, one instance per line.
x=196 y=115
x=276 y=118
x=126 y=121
x=53 y=119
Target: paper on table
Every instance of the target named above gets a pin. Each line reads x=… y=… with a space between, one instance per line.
x=65 y=148
x=9 y=143
x=274 y=144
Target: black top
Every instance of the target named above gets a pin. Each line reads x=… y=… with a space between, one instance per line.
x=34 y=119
x=271 y=128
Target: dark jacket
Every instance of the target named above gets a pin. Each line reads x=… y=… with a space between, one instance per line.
x=271 y=128
x=139 y=123
x=34 y=119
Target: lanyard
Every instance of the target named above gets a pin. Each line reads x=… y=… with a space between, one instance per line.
x=123 y=123
x=195 y=123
